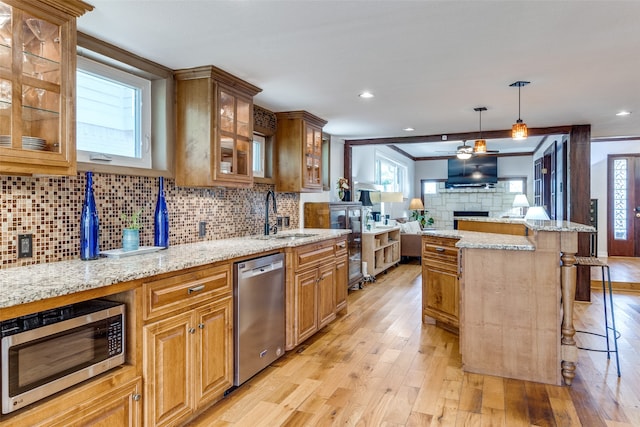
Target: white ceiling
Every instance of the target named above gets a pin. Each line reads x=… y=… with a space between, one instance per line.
x=429 y=63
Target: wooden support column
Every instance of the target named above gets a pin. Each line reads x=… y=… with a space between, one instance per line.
x=568 y=270
x=579 y=198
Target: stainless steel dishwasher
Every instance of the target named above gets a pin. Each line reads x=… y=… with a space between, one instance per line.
x=258 y=333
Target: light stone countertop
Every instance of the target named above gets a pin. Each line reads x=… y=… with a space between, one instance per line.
x=536 y=225
x=479 y=240
x=20 y=285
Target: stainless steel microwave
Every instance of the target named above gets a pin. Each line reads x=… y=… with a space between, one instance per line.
x=44 y=353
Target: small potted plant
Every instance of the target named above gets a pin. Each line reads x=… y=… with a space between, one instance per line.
x=131 y=232
x=422 y=218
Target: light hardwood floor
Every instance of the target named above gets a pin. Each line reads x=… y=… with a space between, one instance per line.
x=378 y=365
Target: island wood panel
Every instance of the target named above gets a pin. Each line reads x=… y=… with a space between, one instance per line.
x=493 y=227
x=511 y=311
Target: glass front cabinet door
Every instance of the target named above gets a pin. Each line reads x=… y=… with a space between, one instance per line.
x=37 y=81
x=299 y=152
x=214 y=128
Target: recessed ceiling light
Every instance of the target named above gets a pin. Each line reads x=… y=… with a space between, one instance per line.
x=366 y=94
x=623 y=113
x=409 y=129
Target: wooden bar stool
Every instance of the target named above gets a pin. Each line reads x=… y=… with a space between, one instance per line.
x=595 y=262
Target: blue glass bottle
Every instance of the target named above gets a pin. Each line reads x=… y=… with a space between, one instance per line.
x=89 y=224
x=161 y=229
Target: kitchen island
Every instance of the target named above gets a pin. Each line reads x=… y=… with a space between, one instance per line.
x=516 y=295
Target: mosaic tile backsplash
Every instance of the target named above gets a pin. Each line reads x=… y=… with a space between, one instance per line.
x=50 y=207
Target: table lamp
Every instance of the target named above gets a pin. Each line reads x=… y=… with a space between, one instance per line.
x=521 y=202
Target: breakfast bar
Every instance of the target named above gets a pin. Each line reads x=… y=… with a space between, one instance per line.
x=516 y=292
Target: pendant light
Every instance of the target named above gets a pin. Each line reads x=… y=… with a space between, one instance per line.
x=480 y=145
x=519 y=128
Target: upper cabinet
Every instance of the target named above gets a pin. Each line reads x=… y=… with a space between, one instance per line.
x=37 y=86
x=299 y=152
x=214 y=134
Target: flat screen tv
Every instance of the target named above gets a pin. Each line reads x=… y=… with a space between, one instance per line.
x=476 y=171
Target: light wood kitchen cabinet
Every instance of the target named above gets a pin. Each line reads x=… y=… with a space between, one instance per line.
x=342 y=275
x=299 y=152
x=310 y=290
x=381 y=249
x=121 y=407
x=37 y=86
x=214 y=131
x=440 y=281
x=188 y=352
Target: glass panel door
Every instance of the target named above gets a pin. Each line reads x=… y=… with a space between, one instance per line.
x=41 y=55
x=624 y=206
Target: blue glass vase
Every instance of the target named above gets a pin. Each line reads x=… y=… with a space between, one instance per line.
x=89 y=224
x=161 y=229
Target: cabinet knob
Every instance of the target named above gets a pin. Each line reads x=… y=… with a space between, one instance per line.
x=201 y=325
x=136 y=397
x=192 y=330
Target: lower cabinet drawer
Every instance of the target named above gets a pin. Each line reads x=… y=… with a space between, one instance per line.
x=177 y=292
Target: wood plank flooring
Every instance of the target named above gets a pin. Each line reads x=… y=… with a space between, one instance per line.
x=625 y=274
x=378 y=365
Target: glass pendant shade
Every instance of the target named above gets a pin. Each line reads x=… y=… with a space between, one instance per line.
x=519 y=130
x=480 y=146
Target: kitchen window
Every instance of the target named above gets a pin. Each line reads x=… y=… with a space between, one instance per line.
x=515 y=186
x=113 y=116
x=141 y=103
x=259 y=150
x=390 y=174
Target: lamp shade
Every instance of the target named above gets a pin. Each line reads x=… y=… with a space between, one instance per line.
x=365 y=198
x=537 y=212
x=416 y=205
x=391 y=196
x=520 y=201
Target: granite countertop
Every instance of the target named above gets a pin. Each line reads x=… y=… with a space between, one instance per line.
x=536 y=225
x=479 y=240
x=21 y=285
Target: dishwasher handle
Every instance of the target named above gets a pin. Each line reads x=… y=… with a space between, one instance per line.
x=263 y=269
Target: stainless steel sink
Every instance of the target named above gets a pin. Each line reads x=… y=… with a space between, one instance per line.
x=285 y=236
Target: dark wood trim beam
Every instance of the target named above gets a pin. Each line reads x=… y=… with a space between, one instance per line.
x=616 y=139
x=401 y=151
x=579 y=198
x=524 y=153
x=492 y=134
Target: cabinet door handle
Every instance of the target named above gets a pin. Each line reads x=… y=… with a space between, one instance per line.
x=196 y=289
x=439 y=249
x=342 y=245
x=192 y=330
x=136 y=397
x=201 y=325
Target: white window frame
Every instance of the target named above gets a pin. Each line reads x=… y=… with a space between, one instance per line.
x=400 y=183
x=260 y=159
x=144 y=85
x=522 y=189
x=430 y=187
